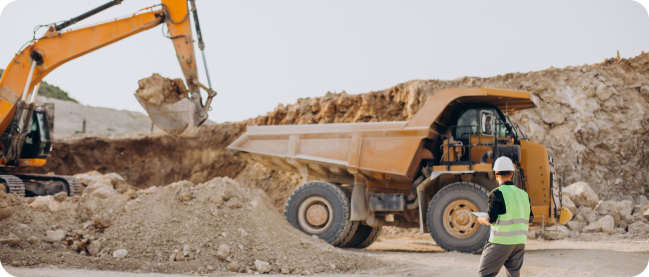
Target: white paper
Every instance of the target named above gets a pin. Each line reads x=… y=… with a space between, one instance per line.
x=479 y=214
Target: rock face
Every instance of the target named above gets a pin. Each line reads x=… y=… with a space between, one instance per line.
x=584 y=195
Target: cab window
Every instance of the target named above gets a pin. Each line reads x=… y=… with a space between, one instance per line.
x=469 y=123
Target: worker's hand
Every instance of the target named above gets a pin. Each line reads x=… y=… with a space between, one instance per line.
x=482 y=220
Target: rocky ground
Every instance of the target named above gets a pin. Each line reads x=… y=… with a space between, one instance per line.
x=215 y=226
x=408 y=256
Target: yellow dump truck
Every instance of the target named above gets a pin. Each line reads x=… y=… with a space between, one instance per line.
x=430 y=172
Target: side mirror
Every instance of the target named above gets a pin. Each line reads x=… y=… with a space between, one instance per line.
x=486 y=121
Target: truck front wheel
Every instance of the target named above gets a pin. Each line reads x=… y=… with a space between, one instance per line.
x=450 y=221
x=321 y=209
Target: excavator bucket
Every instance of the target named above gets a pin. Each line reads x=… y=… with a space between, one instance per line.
x=166 y=102
x=171 y=118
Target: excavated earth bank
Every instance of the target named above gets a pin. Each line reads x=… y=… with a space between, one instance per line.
x=593 y=117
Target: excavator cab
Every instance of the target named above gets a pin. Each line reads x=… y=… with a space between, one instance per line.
x=38 y=142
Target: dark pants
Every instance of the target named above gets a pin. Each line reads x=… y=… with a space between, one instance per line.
x=494 y=256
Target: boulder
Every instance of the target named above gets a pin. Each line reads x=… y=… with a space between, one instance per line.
x=61 y=196
x=180 y=256
x=555 y=233
x=115 y=179
x=568 y=192
x=641 y=200
x=646 y=215
x=172 y=257
x=262 y=267
x=33 y=240
x=7 y=201
x=185 y=196
x=616 y=217
x=642 y=209
x=624 y=209
x=584 y=195
x=54 y=236
x=120 y=253
x=638 y=228
x=587 y=214
x=605 y=224
x=623 y=224
x=45 y=203
x=103 y=192
x=93 y=247
x=88 y=177
x=10 y=240
x=568 y=204
x=575 y=225
x=223 y=251
x=233 y=266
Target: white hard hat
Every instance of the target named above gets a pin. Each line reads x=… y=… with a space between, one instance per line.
x=503 y=164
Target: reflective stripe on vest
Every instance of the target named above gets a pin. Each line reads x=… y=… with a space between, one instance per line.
x=511 y=227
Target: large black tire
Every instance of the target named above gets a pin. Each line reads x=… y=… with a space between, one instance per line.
x=452 y=204
x=364 y=236
x=324 y=198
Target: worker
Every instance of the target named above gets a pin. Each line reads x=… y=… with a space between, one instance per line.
x=509 y=215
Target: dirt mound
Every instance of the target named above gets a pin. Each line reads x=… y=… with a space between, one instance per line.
x=592 y=117
x=160 y=90
x=214 y=226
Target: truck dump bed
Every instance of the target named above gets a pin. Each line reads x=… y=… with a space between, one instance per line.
x=385 y=150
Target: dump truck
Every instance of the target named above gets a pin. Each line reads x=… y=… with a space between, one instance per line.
x=429 y=172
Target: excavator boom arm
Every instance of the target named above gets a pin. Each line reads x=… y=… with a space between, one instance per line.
x=59 y=46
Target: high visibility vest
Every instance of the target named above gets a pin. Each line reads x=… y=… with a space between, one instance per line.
x=511 y=227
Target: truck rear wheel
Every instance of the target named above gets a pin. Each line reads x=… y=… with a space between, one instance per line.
x=321 y=209
x=364 y=236
x=450 y=221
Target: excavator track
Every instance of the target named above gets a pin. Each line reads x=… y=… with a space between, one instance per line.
x=74 y=186
x=14 y=184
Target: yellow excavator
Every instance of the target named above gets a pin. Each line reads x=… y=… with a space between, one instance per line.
x=26 y=129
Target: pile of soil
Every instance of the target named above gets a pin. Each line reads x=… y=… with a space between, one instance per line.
x=592 y=117
x=216 y=226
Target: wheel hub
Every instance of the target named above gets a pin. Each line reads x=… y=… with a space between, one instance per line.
x=315 y=215
x=458 y=220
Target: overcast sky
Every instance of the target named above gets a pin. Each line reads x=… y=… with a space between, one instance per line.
x=262 y=53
